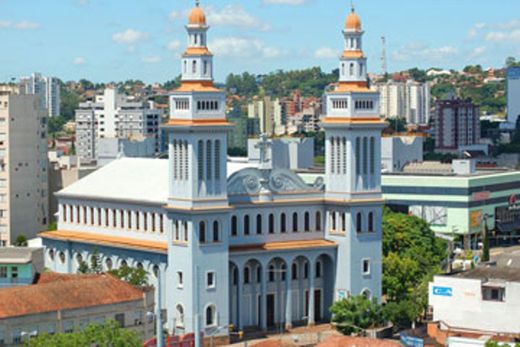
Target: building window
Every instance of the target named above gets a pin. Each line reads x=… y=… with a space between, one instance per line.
x=200 y=160
x=333 y=220
x=211 y=316
x=366 y=267
x=246 y=275
x=372 y=155
x=202 y=232
x=271 y=223
x=283 y=272
x=493 y=293
x=217 y=159
x=61 y=256
x=180 y=279
x=235 y=276
x=343 y=222
x=365 y=156
x=185 y=231
x=318 y=269
x=359 y=222
x=307 y=222
x=283 y=223
x=129 y=219
x=210 y=280
x=246 y=225
x=332 y=155
x=194 y=67
x=108 y=264
x=234 y=226
x=216 y=236
x=294 y=271
x=295 y=222
x=358 y=156
x=137 y=221
x=3 y=271
x=208 y=160
x=258 y=274
x=259 y=224
x=180 y=316
x=306 y=270
x=271 y=273
x=318 y=221
x=107 y=217
x=371 y=222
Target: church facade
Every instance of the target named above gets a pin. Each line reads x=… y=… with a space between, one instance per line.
x=250 y=245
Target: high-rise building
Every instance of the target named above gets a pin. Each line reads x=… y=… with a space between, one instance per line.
x=47 y=88
x=513 y=96
x=270 y=114
x=457 y=123
x=23 y=166
x=410 y=100
x=113 y=115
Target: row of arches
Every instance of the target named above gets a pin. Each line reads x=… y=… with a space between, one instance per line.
x=338 y=222
x=276 y=223
x=180 y=162
x=194 y=67
x=352 y=69
x=113 y=218
x=364 y=104
x=338 y=155
x=207 y=105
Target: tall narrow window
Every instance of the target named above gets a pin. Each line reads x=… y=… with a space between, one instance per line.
x=259 y=224
x=332 y=155
x=114 y=218
x=208 y=160
x=234 y=226
x=371 y=222
x=137 y=221
x=294 y=271
x=351 y=69
x=121 y=219
x=343 y=222
x=295 y=222
x=361 y=67
x=217 y=159
x=216 y=236
x=186 y=232
x=129 y=219
x=344 y=155
x=307 y=222
x=92 y=222
x=107 y=217
x=318 y=221
x=175 y=159
x=186 y=168
x=271 y=223
x=359 y=222
x=145 y=221
x=202 y=232
x=194 y=67
x=358 y=156
x=283 y=223
x=200 y=160
x=271 y=273
x=246 y=275
x=333 y=220
x=339 y=155
x=365 y=156
x=205 y=67
x=246 y=225
x=161 y=224
x=84 y=211
x=372 y=155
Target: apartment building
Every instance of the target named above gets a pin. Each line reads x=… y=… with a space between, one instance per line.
x=410 y=100
x=270 y=114
x=47 y=88
x=23 y=166
x=113 y=115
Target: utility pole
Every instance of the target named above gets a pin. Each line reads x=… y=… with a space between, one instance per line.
x=383 y=56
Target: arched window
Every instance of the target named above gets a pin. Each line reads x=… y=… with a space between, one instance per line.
x=359 y=222
x=318 y=221
x=365 y=155
x=215 y=232
x=271 y=223
x=367 y=294
x=129 y=219
x=358 y=156
x=217 y=159
x=200 y=160
x=180 y=316
x=246 y=225
x=343 y=68
x=208 y=160
x=205 y=67
x=343 y=222
x=306 y=270
x=294 y=271
x=259 y=224
x=234 y=226
x=247 y=278
x=332 y=155
x=333 y=220
x=258 y=274
x=318 y=269
x=271 y=273
x=108 y=264
x=283 y=272
x=351 y=69
x=124 y=264
x=185 y=231
x=361 y=67
x=372 y=155
x=344 y=155
x=202 y=232
x=185 y=66
x=194 y=66
x=295 y=222
x=307 y=222
x=235 y=276
x=371 y=222
x=62 y=257
x=196 y=39
x=283 y=223
x=211 y=315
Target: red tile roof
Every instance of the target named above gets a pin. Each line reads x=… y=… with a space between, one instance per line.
x=352 y=341
x=55 y=292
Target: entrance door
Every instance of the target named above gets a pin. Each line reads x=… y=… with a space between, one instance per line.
x=270 y=309
x=317 y=305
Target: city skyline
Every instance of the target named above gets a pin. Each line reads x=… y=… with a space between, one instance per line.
x=144 y=40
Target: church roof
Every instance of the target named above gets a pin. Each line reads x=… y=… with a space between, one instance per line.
x=140 y=180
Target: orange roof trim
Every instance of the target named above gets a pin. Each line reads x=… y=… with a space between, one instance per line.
x=285 y=245
x=197 y=86
x=352 y=54
x=352 y=87
x=199 y=122
x=352 y=120
x=98 y=239
x=197 y=51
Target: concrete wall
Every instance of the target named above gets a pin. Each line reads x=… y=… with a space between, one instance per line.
x=398 y=151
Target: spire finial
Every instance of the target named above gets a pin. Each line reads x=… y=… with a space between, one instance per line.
x=197 y=3
x=352 y=8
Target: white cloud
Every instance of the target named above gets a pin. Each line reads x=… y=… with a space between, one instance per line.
x=83 y=2
x=326 y=53
x=129 y=37
x=415 y=52
x=477 y=53
x=153 y=59
x=175 y=15
x=235 y=15
x=237 y=47
x=23 y=25
x=174 y=45
x=285 y=2
x=504 y=36
x=79 y=61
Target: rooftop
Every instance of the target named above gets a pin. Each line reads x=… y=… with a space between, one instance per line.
x=492 y=273
x=55 y=292
x=16 y=255
x=437 y=168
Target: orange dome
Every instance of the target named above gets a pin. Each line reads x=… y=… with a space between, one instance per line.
x=353 y=21
x=197 y=16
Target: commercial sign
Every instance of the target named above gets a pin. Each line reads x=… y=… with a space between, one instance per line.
x=442 y=291
x=481 y=196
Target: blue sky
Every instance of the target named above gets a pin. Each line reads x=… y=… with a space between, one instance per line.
x=111 y=40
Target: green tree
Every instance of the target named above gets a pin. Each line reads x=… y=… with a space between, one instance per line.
x=95 y=263
x=512 y=62
x=69 y=102
x=55 y=125
x=83 y=267
x=21 y=241
x=356 y=313
x=134 y=276
x=110 y=334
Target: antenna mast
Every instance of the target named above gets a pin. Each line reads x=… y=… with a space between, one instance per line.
x=383 y=56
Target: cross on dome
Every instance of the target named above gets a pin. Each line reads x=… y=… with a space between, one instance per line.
x=263 y=145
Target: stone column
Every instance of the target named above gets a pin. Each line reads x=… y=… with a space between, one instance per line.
x=239 y=297
x=263 y=297
x=310 y=313
x=288 y=299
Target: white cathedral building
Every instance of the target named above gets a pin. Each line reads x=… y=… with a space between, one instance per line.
x=234 y=244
